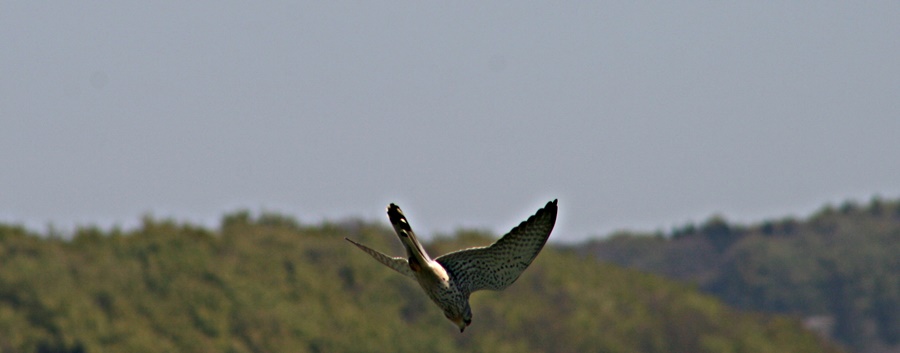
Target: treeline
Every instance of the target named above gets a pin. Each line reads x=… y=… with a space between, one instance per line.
x=269 y=284
x=839 y=269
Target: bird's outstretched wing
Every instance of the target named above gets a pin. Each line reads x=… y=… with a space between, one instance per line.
x=497 y=266
x=399 y=264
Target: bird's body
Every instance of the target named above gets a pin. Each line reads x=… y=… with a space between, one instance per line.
x=450 y=279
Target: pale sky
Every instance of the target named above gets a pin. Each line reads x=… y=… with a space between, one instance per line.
x=636 y=115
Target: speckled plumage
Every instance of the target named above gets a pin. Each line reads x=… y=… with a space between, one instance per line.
x=450 y=279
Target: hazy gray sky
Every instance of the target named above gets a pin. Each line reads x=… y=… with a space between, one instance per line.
x=468 y=114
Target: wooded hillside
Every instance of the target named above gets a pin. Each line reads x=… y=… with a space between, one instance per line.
x=268 y=284
x=838 y=268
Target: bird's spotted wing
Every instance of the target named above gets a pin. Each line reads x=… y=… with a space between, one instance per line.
x=497 y=266
x=399 y=264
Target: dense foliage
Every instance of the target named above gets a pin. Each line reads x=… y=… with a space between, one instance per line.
x=269 y=284
x=840 y=268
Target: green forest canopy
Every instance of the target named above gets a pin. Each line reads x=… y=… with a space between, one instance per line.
x=269 y=284
x=837 y=268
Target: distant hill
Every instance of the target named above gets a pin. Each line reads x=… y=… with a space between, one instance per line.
x=269 y=284
x=839 y=268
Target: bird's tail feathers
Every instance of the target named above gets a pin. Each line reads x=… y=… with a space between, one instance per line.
x=404 y=231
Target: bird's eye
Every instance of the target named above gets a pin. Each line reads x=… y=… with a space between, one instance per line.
x=468 y=321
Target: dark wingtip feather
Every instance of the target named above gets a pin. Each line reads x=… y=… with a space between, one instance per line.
x=548 y=210
x=550 y=207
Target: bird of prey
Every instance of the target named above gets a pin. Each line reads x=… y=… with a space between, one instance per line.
x=450 y=279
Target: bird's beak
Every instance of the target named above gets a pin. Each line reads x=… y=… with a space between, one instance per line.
x=461 y=324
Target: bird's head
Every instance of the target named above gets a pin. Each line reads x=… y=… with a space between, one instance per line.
x=462 y=318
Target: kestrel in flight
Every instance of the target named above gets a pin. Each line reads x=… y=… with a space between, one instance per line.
x=450 y=279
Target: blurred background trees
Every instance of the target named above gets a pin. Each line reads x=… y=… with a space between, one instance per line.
x=839 y=269
x=268 y=283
